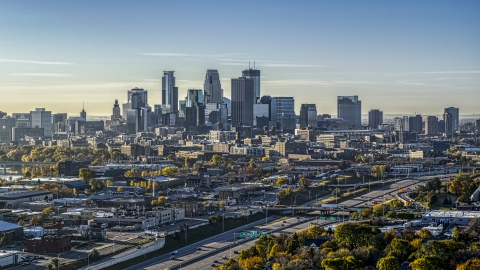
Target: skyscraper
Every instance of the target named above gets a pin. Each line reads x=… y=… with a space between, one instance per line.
x=139 y=92
x=42 y=118
x=431 y=125
x=375 y=118
x=169 y=92
x=416 y=124
x=449 y=126
x=116 y=111
x=243 y=93
x=455 y=121
x=350 y=109
x=194 y=108
x=308 y=115
x=212 y=87
x=283 y=113
x=255 y=75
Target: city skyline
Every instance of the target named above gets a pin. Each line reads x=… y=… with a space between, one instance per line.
x=393 y=56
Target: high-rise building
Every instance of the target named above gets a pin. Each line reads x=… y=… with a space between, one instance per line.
x=83 y=113
x=449 y=126
x=477 y=125
x=375 y=118
x=42 y=118
x=431 y=125
x=282 y=111
x=455 y=121
x=350 y=109
x=59 y=120
x=169 y=92
x=116 y=111
x=308 y=115
x=255 y=75
x=415 y=124
x=243 y=93
x=194 y=108
x=139 y=92
x=212 y=87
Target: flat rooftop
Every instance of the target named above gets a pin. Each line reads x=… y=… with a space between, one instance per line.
x=452 y=214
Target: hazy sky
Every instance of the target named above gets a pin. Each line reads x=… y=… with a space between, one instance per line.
x=397 y=56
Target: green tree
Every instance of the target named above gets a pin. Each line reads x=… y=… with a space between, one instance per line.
x=281 y=181
x=54 y=263
x=388 y=263
x=400 y=248
x=354 y=234
x=427 y=263
x=472 y=264
x=120 y=189
x=109 y=183
x=86 y=174
x=304 y=182
x=343 y=263
x=169 y=171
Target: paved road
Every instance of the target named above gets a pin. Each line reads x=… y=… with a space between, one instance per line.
x=203 y=259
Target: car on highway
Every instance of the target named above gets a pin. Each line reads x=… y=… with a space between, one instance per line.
x=175 y=252
x=235 y=252
x=215 y=261
x=283 y=225
x=139 y=247
x=283 y=221
x=212 y=265
x=173 y=258
x=224 y=257
x=199 y=248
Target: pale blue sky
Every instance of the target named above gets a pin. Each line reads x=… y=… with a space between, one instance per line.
x=397 y=56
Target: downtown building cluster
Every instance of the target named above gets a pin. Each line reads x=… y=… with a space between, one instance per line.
x=246 y=123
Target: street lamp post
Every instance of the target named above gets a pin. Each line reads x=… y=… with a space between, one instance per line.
x=58 y=263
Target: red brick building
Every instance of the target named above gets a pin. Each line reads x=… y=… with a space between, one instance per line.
x=50 y=243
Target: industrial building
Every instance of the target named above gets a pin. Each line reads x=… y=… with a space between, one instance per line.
x=450 y=217
x=12 y=199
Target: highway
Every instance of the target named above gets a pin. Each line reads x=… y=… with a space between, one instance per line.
x=214 y=248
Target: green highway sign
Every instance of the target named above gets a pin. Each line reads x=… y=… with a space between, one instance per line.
x=323 y=218
x=263 y=234
x=333 y=218
x=243 y=234
x=359 y=210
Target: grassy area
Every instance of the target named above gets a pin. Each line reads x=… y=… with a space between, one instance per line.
x=194 y=235
x=348 y=195
x=305 y=196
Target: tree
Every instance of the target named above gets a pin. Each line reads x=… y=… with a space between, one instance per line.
x=171 y=156
x=161 y=200
x=169 y=171
x=54 y=262
x=109 y=183
x=344 y=263
x=472 y=264
x=252 y=263
x=281 y=181
x=427 y=263
x=304 y=182
x=354 y=234
x=388 y=263
x=21 y=223
x=456 y=188
x=86 y=174
x=424 y=233
x=95 y=255
x=380 y=209
x=400 y=248
x=94 y=184
x=75 y=192
x=337 y=193
x=120 y=189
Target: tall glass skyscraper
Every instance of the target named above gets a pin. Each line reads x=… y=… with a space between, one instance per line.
x=169 y=92
x=242 y=101
x=212 y=87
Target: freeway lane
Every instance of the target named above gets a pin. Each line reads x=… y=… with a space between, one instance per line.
x=213 y=248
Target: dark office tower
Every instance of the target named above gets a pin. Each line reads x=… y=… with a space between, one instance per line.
x=415 y=123
x=58 y=121
x=448 y=120
x=194 y=109
x=455 y=121
x=116 y=111
x=431 y=125
x=375 y=118
x=441 y=126
x=477 y=125
x=138 y=91
x=308 y=115
x=212 y=87
x=350 y=109
x=243 y=93
x=169 y=92
x=255 y=75
x=282 y=111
